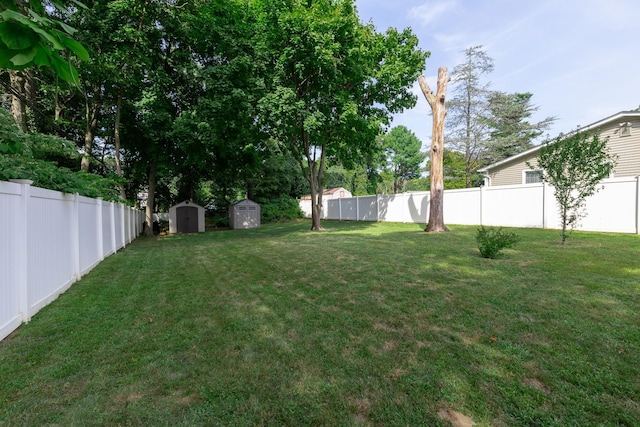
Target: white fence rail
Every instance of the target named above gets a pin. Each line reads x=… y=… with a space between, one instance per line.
x=48 y=240
x=616 y=208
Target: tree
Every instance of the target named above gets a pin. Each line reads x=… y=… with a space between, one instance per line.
x=403 y=155
x=468 y=106
x=438 y=107
x=574 y=165
x=509 y=128
x=332 y=82
x=29 y=38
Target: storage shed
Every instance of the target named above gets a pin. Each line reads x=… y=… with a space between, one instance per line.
x=244 y=214
x=186 y=217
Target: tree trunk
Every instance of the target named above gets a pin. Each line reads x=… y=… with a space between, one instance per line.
x=151 y=198
x=18 y=95
x=116 y=142
x=316 y=198
x=437 y=103
x=91 y=116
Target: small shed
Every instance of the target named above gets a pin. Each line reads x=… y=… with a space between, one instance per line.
x=244 y=214
x=186 y=217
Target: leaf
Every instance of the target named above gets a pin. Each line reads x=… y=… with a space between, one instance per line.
x=15 y=36
x=24 y=58
x=64 y=69
x=74 y=46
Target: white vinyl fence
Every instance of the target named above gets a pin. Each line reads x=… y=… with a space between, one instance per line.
x=615 y=208
x=48 y=240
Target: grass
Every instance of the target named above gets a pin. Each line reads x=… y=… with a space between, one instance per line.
x=366 y=324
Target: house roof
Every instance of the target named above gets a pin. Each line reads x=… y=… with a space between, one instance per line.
x=613 y=118
x=326 y=192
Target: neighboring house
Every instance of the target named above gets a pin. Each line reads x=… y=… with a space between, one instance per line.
x=622 y=129
x=331 y=193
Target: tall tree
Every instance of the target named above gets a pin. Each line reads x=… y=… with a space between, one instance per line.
x=332 y=82
x=574 y=165
x=402 y=151
x=468 y=106
x=510 y=129
x=437 y=102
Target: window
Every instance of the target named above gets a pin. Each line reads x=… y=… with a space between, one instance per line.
x=532 y=177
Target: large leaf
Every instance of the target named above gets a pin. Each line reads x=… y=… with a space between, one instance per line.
x=16 y=36
x=73 y=45
x=24 y=58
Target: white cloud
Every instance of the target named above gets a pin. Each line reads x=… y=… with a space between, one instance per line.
x=429 y=11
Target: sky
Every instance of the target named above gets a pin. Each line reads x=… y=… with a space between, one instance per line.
x=579 y=58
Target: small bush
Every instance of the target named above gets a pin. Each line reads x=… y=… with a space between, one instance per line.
x=283 y=208
x=491 y=241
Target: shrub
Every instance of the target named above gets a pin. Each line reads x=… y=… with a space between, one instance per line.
x=491 y=241
x=281 y=209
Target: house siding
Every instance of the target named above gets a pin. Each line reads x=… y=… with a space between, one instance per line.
x=626 y=148
x=511 y=173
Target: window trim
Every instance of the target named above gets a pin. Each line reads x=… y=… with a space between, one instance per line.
x=531 y=171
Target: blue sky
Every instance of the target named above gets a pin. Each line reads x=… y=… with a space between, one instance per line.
x=579 y=58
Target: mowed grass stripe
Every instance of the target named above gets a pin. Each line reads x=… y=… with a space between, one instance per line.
x=365 y=324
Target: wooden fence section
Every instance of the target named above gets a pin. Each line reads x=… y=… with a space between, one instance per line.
x=616 y=208
x=48 y=241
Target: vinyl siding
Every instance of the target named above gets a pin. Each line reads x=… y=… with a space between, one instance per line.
x=626 y=148
x=511 y=173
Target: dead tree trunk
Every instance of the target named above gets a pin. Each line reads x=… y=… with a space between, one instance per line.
x=437 y=103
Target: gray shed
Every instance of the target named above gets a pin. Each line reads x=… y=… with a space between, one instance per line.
x=186 y=217
x=244 y=214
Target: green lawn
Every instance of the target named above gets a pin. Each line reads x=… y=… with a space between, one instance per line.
x=365 y=324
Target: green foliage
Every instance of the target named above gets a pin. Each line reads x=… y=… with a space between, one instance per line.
x=331 y=82
x=509 y=126
x=403 y=156
x=492 y=241
x=36 y=157
x=30 y=38
x=283 y=208
x=574 y=165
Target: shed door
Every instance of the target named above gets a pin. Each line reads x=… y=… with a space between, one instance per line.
x=187 y=219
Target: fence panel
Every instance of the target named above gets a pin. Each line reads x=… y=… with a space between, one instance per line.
x=513 y=206
x=49 y=246
x=48 y=239
x=10 y=199
x=367 y=208
x=463 y=206
x=90 y=251
x=614 y=209
x=349 y=209
x=108 y=232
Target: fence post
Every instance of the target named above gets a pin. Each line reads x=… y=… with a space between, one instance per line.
x=100 y=230
x=377 y=208
x=123 y=234
x=112 y=220
x=638 y=204
x=482 y=190
x=22 y=230
x=75 y=236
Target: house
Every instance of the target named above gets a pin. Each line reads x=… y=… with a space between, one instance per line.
x=244 y=214
x=186 y=217
x=622 y=129
x=331 y=193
